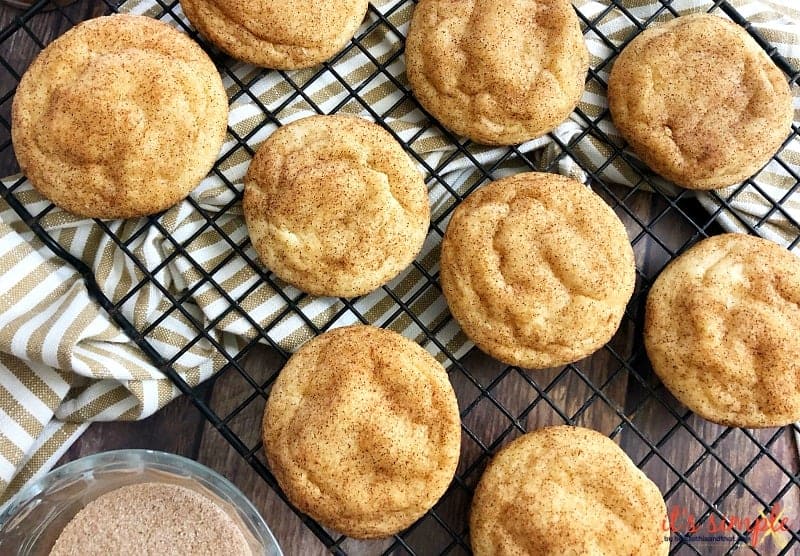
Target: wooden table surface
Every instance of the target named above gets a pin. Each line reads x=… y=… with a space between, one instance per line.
x=179 y=428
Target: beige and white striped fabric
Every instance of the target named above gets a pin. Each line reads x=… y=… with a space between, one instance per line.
x=64 y=363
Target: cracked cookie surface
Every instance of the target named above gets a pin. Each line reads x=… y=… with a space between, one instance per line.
x=278 y=34
x=699 y=101
x=334 y=206
x=500 y=72
x=121 y=116
x=566 y=490
x=362 y=431
x=537 y=270
x=722 y=330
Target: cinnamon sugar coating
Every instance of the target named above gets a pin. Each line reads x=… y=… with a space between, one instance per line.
x=121 y=116
x=699 y=101
x=722 y=330
x=362 y=431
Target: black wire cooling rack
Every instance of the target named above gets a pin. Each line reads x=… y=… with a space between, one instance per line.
x=709 y=474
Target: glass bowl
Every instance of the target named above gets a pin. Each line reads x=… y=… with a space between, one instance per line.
x=32 y=520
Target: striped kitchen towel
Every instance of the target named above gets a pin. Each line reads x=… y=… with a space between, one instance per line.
x=64 y=363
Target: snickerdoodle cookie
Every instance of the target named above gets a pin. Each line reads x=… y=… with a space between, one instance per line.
x=722 y=331
x=699 y=101
x=362 y=431
x=566 y=490
x=537 y=270
x=279 y=34
x=334 y=205
x=497 y=71
x=122 y=116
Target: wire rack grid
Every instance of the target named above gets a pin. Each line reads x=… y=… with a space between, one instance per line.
x=707 y=473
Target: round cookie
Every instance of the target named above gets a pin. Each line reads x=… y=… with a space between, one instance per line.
x=334 y=205
x=699 y=101
x=122 y=116
x=722 y=330
x=537 y=270
x=279 y=34
x=362 y=431
x=500 y=72
x=566 y=490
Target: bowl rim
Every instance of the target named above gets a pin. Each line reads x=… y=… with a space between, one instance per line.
x=153 y=459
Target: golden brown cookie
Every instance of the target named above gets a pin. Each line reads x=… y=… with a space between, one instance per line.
x=537 y=270
x=362 y=431
x=699 y=101
x=566 y=490
x=334 y=205
x=279 y=34
x=722 y=330
x=122 y=116
x=497 y=71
